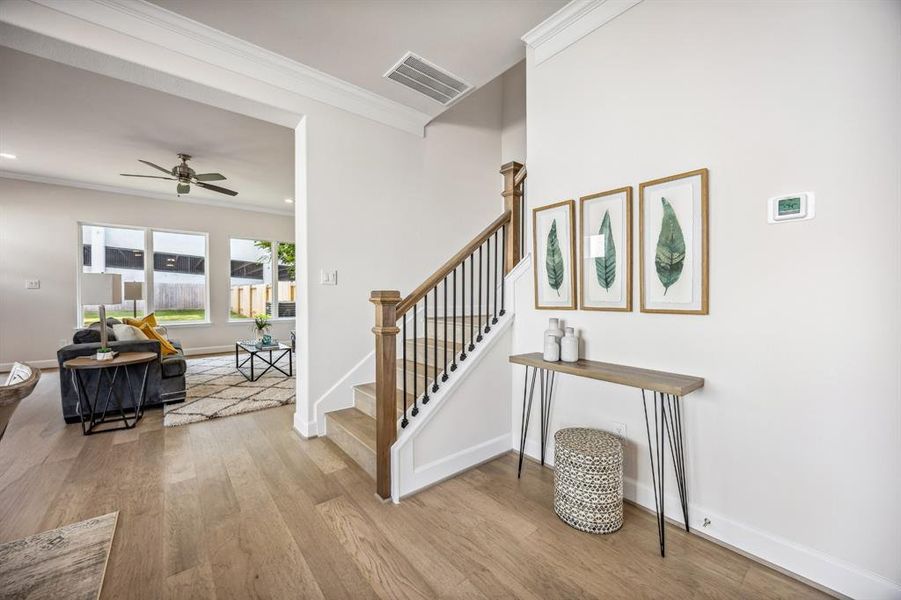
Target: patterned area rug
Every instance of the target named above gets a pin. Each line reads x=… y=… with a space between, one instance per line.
x=68 y=562
x=216 y=389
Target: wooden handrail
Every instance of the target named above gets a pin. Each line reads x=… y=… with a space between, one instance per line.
x=439 y=275
x=520 y=177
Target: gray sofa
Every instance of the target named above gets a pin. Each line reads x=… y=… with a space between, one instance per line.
x=165 y=377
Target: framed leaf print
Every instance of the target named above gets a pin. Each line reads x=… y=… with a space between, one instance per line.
x=672 y=223
x=606 y=250
x=553 y=240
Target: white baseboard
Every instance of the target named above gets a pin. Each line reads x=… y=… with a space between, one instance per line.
x=209 y=350
x=437 y=471
x=305 y=429
x=807 y=564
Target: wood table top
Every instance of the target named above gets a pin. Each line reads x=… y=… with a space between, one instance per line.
x=122 y=359
x=657 y=381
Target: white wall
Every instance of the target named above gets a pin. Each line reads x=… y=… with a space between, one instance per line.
x=513 y=114
x=38 y=240
x=385 y=209
x=794 y=444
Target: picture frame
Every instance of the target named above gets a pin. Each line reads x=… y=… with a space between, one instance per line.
x=605 y=282
x=673 y=244
x=554 y=256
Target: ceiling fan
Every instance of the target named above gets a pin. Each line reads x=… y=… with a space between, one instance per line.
x=186 y=177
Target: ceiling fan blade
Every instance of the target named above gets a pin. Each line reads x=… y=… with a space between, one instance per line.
x=150 y=164
x=183 y=188
x=216 y=188
x=147 y=176
x=209 y=177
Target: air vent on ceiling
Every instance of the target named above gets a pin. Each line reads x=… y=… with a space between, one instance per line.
x=426 y=78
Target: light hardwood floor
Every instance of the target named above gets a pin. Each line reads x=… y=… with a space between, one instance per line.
x=240 y=507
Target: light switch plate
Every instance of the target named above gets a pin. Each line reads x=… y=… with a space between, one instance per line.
x=328 y=277
x=32 y=284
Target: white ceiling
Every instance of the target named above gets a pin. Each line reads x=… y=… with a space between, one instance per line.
x=71 y=124
x=359 y=40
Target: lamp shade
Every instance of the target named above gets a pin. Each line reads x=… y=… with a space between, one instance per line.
x=134 y=290
x=101 y=288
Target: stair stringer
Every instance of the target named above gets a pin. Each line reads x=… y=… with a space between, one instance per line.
x=468 y=420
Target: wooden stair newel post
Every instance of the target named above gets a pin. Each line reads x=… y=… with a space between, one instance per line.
x=513 y=202
x=385 y=331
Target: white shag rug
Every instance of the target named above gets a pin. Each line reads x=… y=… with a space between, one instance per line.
x=216 y=389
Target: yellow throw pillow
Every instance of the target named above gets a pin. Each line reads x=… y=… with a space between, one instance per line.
x=151 y=319
x=166 y=347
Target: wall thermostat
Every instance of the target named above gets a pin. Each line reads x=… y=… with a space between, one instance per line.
x=794 y=207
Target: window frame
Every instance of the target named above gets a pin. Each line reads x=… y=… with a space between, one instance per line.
x=149 y=300
x=273 y=257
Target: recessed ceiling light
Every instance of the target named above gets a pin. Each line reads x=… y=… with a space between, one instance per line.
x=289 y=200
x=8 y=155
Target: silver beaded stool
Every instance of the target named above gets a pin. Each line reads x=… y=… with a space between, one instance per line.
x=588 y=479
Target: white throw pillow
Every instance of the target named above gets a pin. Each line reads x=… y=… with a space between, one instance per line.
x=128 y=333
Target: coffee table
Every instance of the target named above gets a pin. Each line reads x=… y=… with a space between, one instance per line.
x=255 y=353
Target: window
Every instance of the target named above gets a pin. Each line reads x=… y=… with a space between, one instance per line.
x=177 y=274
x=251 y=279
x=287 y=289
x=113 y=250
x=250 y=290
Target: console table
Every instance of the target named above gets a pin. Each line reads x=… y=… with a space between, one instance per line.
x=668 y=390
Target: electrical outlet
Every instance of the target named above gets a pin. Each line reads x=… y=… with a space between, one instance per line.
x=32 y=284
x=619 y=429
x=328 y=277
x=63 y=342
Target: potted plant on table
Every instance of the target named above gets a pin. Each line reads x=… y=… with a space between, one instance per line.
x=261 y=327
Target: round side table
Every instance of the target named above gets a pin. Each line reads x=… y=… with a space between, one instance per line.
x=92 y=416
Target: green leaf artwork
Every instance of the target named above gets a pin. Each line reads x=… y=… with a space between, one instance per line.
x=554 y=260
x=605 y=266
x=670 y=248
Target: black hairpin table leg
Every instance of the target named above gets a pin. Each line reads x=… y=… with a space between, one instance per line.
x=667 y=414
x=546 y=389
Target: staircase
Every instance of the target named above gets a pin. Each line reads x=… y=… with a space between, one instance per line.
x=469 y=291
x=354 y=429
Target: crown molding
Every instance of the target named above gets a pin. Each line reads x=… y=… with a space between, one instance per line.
x=111 y=189
x=570 y=24
x=142 y=32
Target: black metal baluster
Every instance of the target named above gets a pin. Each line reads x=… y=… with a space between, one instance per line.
x=444 y=376
x=488 y=286
x=404 y=422
x=462 y=316
x=425 y=350
x=454 y=356
x=479 y=336
x=503 y=267
x=494 y=266
x=415 y=410
x=435 y=352
x=472 y=269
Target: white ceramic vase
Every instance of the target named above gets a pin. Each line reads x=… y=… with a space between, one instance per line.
x=553 y=328
x=551 y=348
x=569 y=346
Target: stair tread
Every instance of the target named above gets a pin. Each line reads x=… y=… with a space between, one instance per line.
x=369 y=390
x=356 y=423
x=430 y=342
